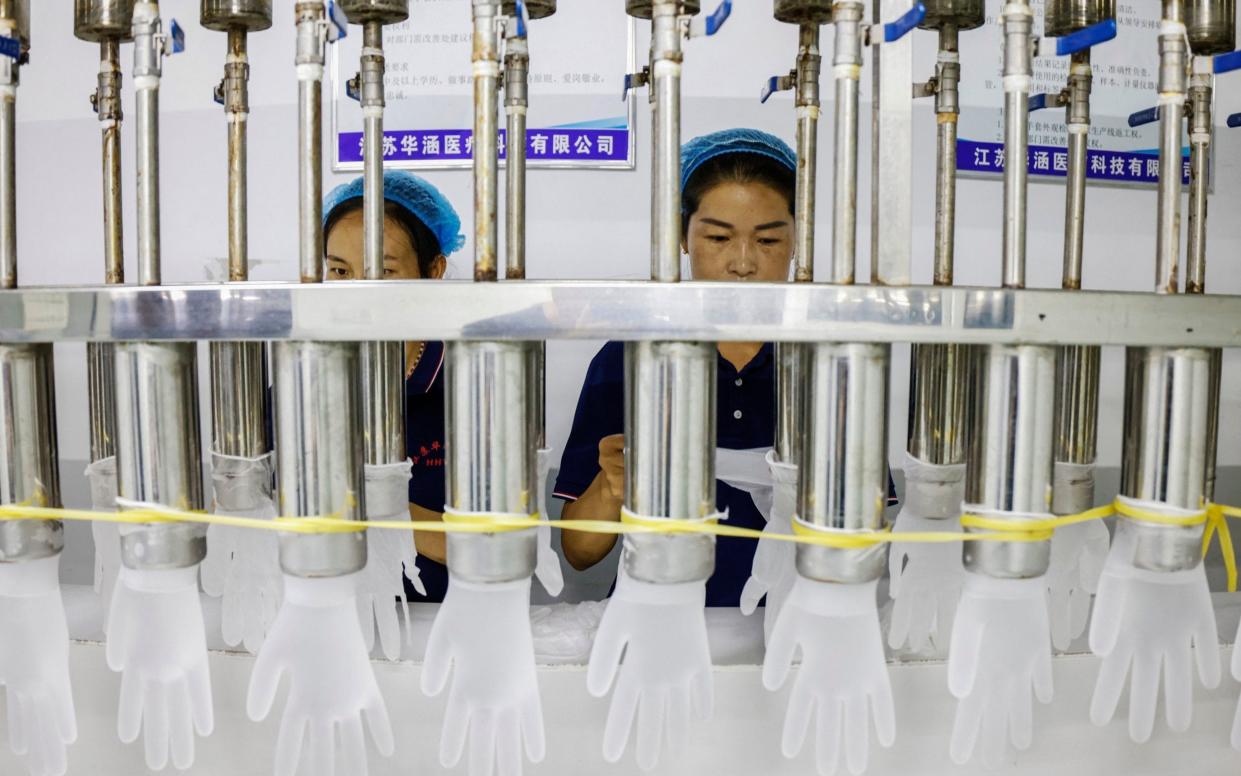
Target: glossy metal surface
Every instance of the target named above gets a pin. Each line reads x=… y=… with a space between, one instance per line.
x=381 y=11
x=319 y=453
x=247 y=15
x=1172 y=82
x=158 y=452
x=486 y=62
x=29 y=461
x=100 y=387
x=1213 y=400
x=666 y=139
x=1060 y=17
x=891 y=187
x=624 y=310
x=790 y=361
x=947 y=75
x=516 y=102
x=937 y=397
x=238 y=399
x=670 y=399
x=807 y=102
x=235 y=91
x=9 y=77
x=1010 y=466
x=803 y=12
x=642 y=9
x=1077 y=403
x=107 y=102
x=147 y=70
x=1211 y=26
x=956 y=14
x=490 y=455
x=846 y=66
x=843 y=482
x=1018 y=25
x=309 y=59
x=1200 y=128
x=1077 y=121
x=535 y=9
x=98 y=20
x=19 y=11
x=1163 y=455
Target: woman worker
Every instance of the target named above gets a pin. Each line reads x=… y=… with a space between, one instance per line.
x=736 y=224
x=421 y=229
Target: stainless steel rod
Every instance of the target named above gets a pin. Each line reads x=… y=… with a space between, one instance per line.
x=148 y=53
x=309 y=59
x=1199 y=181
x=846 y=70
x=1078 y=126
x=948 y=73
x=486 y=59
x=28 y=458
x=108 y=106
x=8 y=160
x=1172 y=88
x=516 y=102
x=1018 y=75
x=666 y=87
x=237 y=109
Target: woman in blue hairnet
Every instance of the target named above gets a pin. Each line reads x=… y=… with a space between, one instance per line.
x=737 y=189
x=421 y=229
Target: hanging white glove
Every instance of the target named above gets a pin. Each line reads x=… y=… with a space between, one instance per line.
x=242 y=566
x=481 y=638
x=1000 y=656
x=390 y=557
x=547 y=567
x=1146 y=620
x=316 y=641
x=102 y=477
x=1077 y=554
x=662 y=632
x=844 y=675
x=1236 y=674
x=926 y=579
x=774 y=568
x=157 y=642
x=34 y=665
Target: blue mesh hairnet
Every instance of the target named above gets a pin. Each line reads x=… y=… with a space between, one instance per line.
x=420 y=198
x=702 y=149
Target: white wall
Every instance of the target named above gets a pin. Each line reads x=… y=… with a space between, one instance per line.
x=581 y=224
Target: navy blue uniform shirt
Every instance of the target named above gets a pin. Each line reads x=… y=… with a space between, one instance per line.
x=424 y=439
x=745 y=419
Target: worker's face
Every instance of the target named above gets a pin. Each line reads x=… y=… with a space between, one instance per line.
x=741 y=231
x=344 y=251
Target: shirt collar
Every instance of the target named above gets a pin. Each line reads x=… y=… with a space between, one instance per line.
x=762 y=360
x=428 y=369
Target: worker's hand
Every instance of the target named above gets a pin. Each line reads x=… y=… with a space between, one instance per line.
x=612 y=464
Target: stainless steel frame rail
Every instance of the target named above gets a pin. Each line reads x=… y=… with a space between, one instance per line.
x=626 y=310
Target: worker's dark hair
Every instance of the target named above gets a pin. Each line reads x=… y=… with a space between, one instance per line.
x=426 y=247
x=738 y=167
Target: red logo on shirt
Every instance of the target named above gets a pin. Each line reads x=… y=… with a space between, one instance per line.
x=431 y=455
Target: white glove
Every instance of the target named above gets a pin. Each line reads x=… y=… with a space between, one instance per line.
x=34 y=665
x=242 y=568
x=1150 y=619
x=774 y=568
x=926 y=579
x=662 y=632
x=157 y=641
x=1236 y=674
x=1000 y=656
x=843 y=677
x=925 y=583
x=1077 y=555
x=547 y=567
x=383 y=583
x=102 y=477
x=481 y=637
x=317 y=642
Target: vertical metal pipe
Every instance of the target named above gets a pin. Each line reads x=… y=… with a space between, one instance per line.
x=28 y=457
x=790 y=355
x=309 y=59
x=148 y=52
x=9 y=77
x=891 y=190
x=666 y=86
x=490 y=460
x=846 y=70
x=1078 y=126
x=107 y=102
x=947 y=75
x=486 y=59
x=1018 y=75
x=516 y=96
x=236 y=106
x=1199 y=172
x=1172 y=87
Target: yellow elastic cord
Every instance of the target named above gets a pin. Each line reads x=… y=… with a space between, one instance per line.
x=1215 y=517
x=483 y=522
